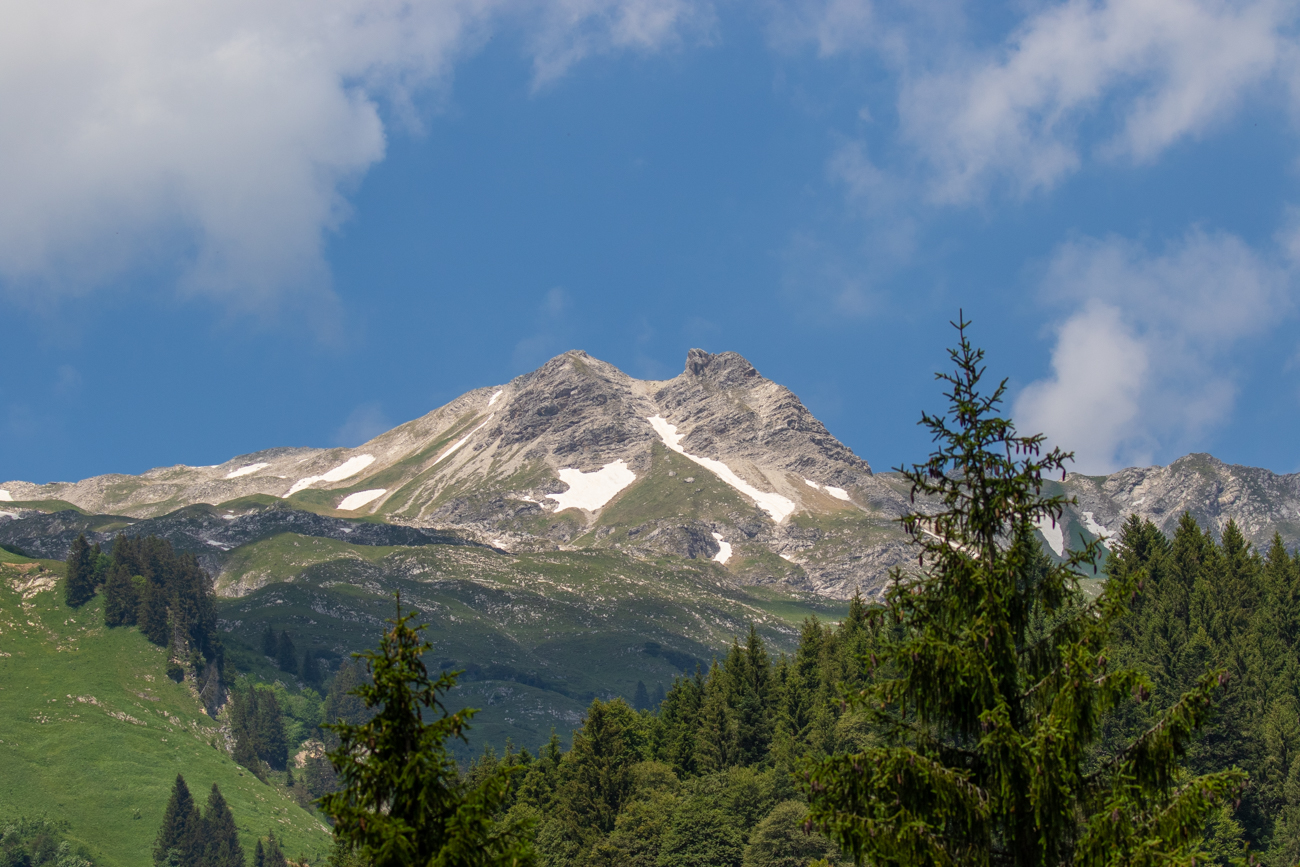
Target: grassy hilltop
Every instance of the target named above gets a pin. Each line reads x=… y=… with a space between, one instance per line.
x=93 y=732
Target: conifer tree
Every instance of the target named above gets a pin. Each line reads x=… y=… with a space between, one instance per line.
x=272 y=743
x=79 y=586
x=221 y=837
x=988 y=729
x=402 y=801
x=641 y=698
x=286 y=654
x=121 y=597
x=182 y=828
x=270 y=647
x=152 y=616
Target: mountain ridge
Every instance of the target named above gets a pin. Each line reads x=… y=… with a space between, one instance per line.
x=716 y=463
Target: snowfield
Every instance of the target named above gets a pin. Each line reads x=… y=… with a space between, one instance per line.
x=724 y=550
x=1053 y=534
x=460 y=442
x=246 y=471
x=5 y=496
x=345 y=470
x=1093 y=527
x=775 y=505
x=591 y=491
x=837 y=493
x=359 y=499
x=494 y=397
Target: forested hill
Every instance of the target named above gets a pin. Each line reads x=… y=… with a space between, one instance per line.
x=706 y=778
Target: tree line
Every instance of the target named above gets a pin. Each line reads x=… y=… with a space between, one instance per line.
x=190 y=837
x=167 y=595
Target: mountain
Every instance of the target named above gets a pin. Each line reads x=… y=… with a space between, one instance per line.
x=717 y=463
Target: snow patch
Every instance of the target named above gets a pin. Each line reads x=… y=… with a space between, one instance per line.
x=359 y=499
x=724 y=550
x=460 y=442
x=494 y=397
x=837 y=493
x=5 y=496
x=348 y=468
x=246 y=471
x=775 y=505
x=1053 y=534
x=1090 y=523
x=592 y=490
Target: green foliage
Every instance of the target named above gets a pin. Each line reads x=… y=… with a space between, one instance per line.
x=79 y=586
x=181 y=835
x=170 y=598
x=1205 y=603
x=258 y=728
x=221 y=838
x=783 y=840
x=39 y=843
x=402 y=801
x=93 y=734
x=994 y=679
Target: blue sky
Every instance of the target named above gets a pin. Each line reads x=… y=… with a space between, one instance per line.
x=233 y=226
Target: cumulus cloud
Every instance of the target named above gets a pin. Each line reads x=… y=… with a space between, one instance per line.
x=1140 y=75
x=231 y=130
x=1142 y=362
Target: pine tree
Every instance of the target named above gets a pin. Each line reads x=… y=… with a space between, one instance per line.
x=402 y=800
x=182 y=828
x=79 y=587
x=987 y=729
x=259 y=854
x=222 y=848
x=270 y=647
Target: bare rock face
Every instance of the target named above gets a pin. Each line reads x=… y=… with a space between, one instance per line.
x=717 y=463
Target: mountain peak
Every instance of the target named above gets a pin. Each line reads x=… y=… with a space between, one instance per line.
x=725 y=368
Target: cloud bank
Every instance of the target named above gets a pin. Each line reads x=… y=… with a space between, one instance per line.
x=232 y=129
x=1142 y=363
x=1136 y=76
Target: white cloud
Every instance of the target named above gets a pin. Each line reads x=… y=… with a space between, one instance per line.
x=571 y=30
x=231 y=129
x=1155 y=71
x=1143 y=364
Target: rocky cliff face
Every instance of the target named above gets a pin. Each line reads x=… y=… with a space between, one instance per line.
x=717 y=463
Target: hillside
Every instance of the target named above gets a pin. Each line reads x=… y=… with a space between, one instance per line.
x=93 y=732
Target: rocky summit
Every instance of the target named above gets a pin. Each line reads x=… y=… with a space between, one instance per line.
x=716 y=464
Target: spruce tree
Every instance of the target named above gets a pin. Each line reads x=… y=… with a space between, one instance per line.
x=987 y=727
x=79 y=586
x=152 y=616
x=121 y=597
x=221 y=837
x=641 y=698
x=270 y=647
x=402 y=800
x=286 y=654
x=272 y=743
x=182 y=828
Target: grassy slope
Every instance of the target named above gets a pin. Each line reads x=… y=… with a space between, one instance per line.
x=92 y=731
x=541 y=634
